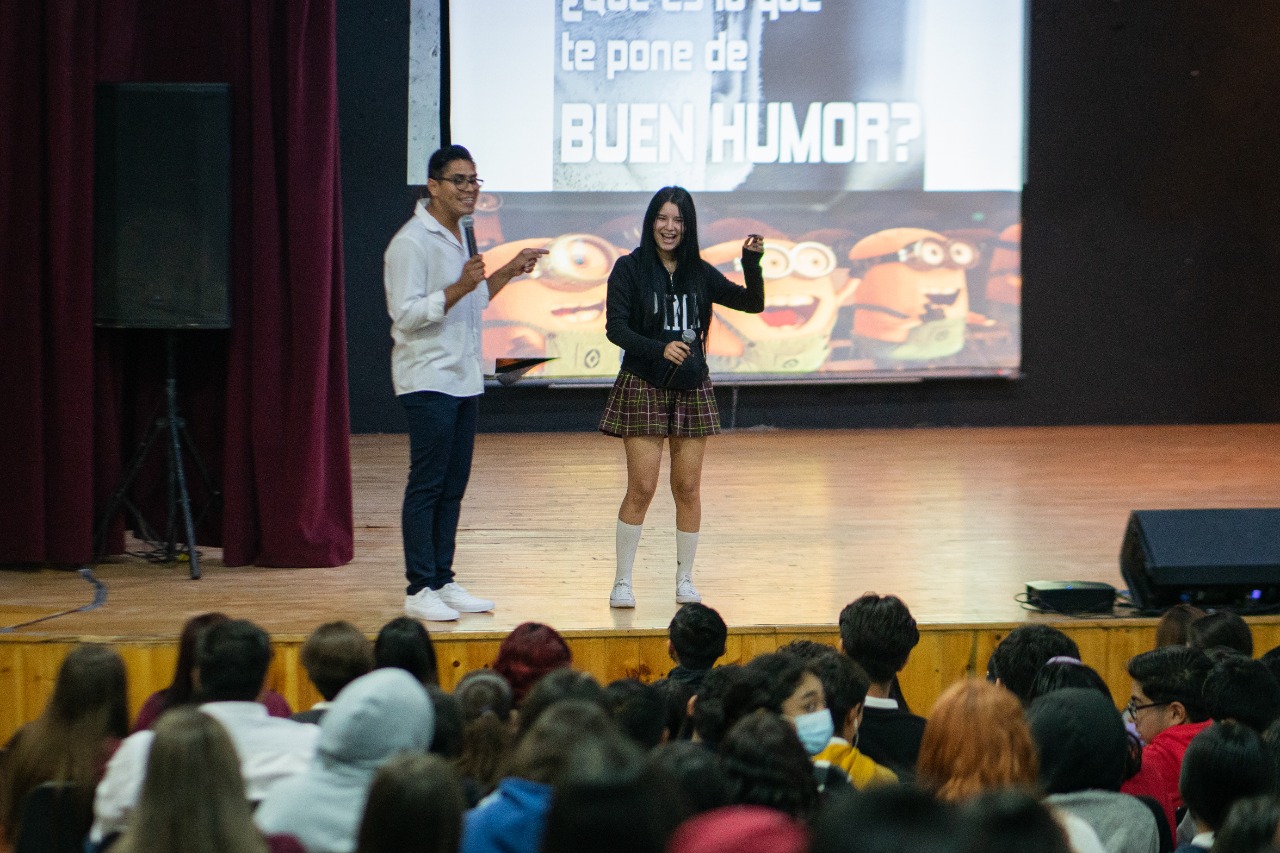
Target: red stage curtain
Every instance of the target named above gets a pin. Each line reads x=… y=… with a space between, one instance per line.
x=267 y=401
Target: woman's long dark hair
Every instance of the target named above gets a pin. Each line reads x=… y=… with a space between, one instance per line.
x=688 y=275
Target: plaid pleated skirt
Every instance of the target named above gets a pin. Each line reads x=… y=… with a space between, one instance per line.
x=636 y=407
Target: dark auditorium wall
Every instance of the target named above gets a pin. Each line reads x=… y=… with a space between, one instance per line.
x=1150 y=245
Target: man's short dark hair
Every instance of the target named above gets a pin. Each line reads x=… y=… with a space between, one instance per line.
x=878 y=632
x=232 y=658
x=1242 y=689
x=1224 y=763
x=1173 y=674
x=844 y=683
x=1019 y=656
x=335 y=655
x=639 y=711
x=808 y=650
x=443 y=157
x=698 y=635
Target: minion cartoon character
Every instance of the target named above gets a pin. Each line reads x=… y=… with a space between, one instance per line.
x=912 y=299
x=804 y=289
x=558 y=311
x=1005 y=279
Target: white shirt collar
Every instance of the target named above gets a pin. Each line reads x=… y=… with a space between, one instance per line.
x=883 y=704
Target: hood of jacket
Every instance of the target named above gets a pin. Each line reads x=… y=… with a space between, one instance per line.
x=375 y=717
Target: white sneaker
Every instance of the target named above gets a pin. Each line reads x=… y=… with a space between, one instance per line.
x=426 y=604
x=456 y=596
x=622 y=595
x=686 y=593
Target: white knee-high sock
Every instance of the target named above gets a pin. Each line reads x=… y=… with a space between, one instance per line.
x=626 y=541
x=686 y=550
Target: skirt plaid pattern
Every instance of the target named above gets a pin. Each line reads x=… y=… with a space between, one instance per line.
x=637 y=408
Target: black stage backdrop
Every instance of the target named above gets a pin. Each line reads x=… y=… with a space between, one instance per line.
x=1150 y=244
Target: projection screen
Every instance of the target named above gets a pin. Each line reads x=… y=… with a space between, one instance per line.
x=876 y=144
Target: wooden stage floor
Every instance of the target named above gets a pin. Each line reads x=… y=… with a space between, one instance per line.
x=795 y=525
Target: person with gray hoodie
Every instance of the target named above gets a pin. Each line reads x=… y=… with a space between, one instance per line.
x=372 y=720
x=1083 y=748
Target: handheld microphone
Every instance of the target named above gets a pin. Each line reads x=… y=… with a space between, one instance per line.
x=688 y=336
x=468 y=223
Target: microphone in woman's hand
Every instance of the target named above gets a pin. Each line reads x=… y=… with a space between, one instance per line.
x=688 y=336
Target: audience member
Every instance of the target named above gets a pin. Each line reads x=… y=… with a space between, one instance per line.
x=638 y=710
x=1064 y=672
x=692 y=774
x=878 y=632
x=605 y=799
x=70 y=742
x=415 y=806
x=887 y=819
x=976 y=740
x=529 y=652
x=697 y=637
x=488 y=730
x=845 y=685
x=1171 y=630
x=1083 y=750
x=447 y=740
x=1272 y=659
x=335 y=655
x=561 y=685
x=405 y=643
x=1223 y=764
x=377 y=716
x=741 y=829
x=1012 y=821
x=1019 y=656
x=192 y=798
x=1252 y=826
x=676 y=699
x=182 y=689
x=788 y=686
x=766 y=765
x=809 y=651
x=513 y=818
x=232 y=659
x=1166 y=706
x=723 y=687
x=1242 y=689
x=1221 y=628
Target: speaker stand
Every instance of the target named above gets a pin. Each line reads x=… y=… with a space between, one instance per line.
x=170 y=428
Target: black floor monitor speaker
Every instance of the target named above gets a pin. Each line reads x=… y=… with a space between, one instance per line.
x=162 y=205
x=1207 y=557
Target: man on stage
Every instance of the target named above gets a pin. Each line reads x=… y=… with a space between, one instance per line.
x=436 y=292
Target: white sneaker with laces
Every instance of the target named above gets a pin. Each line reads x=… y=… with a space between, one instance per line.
x=686 y=593
x=456 y=596
x=426 y=604
x=622 y=596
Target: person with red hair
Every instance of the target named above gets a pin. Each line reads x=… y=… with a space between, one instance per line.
x=977 y=741
x=529 y=652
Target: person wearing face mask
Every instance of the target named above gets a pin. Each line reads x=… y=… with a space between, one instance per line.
x=845 y=685
x=658 y=310
x=791 y=688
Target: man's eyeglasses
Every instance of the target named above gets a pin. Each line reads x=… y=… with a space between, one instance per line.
x=1131 y=710
x=463 y=181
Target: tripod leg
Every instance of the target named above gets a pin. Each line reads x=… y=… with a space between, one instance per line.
x=175 y=457
x=120 y=497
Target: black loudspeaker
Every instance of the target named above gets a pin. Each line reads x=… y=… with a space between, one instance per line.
x=162 y=206
x=1207 y=557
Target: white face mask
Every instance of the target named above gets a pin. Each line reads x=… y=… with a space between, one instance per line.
x=815 y=730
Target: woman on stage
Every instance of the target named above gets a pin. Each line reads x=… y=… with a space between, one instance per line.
x=659 y=311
